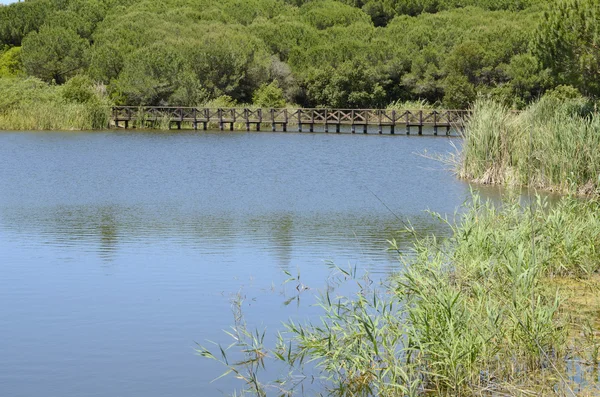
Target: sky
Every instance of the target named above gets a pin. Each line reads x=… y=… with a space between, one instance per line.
x=7 y=1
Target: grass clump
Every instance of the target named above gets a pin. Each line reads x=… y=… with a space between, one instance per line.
x=553 y=144
x=476 y=314
x=30 y=104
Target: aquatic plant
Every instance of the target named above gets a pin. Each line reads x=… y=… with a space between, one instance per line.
x=478 y=313
x=30 y=104
x=553 y=145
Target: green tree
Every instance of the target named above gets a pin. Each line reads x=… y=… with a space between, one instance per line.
x=568 y=43
x=54 y=54
x=10 y=62
x=350 y=85
x=459 y=92
x=269 y=95
x=19 y=19
x=152 y=75
x=527 y=79
x=323 y=14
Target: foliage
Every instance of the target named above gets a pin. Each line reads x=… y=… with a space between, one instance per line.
x=334 y=53
x=10 y=62
x=19 y=19
x=349 y=86
x=54 y=54
x=323 y=14
x=269 y=95
x=566 y=42
x=79 y=89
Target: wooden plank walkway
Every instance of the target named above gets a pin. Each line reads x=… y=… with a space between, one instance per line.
x=330 y=119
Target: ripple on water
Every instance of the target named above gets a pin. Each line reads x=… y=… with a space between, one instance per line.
x=120 y=250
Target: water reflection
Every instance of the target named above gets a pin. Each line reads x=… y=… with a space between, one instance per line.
x=119 y=250
x=285 y=236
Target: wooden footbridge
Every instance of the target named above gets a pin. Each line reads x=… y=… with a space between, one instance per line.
x=330 y=119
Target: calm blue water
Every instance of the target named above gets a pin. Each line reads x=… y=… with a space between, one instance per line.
x=119 y=251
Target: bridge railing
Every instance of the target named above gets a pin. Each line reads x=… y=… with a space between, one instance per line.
x=141 y=115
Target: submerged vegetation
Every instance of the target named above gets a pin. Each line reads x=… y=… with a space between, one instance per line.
x=313 y=53
x=480 y=313
x=553 y=144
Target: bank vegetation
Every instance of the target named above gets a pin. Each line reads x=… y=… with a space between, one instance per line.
x=553 y=145
x=318 y=53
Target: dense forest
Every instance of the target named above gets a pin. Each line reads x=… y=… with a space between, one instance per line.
x=313 y=53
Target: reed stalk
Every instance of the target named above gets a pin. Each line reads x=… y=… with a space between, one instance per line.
x=552 y=145
x=475 y=314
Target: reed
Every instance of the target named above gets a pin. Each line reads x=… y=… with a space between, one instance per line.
x=30 y=104
x=55 y=116
x=552 y=145
x=475 y=314
x=412 y=105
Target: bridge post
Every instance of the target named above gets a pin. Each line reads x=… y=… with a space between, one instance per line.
x=128 y=118
x=273 y=127
x=337 y=128
x=285 y=118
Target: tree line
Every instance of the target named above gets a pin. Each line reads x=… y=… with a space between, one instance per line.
x=313 y=53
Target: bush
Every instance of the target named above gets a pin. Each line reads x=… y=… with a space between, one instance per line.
x=269 y=96
x=79 y=89
x=10 y=62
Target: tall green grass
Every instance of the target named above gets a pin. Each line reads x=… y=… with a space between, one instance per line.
x=553 y=145
x=476 y=314
x=30 y=104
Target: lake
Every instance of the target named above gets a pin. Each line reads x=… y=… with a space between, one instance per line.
x=120 y=250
